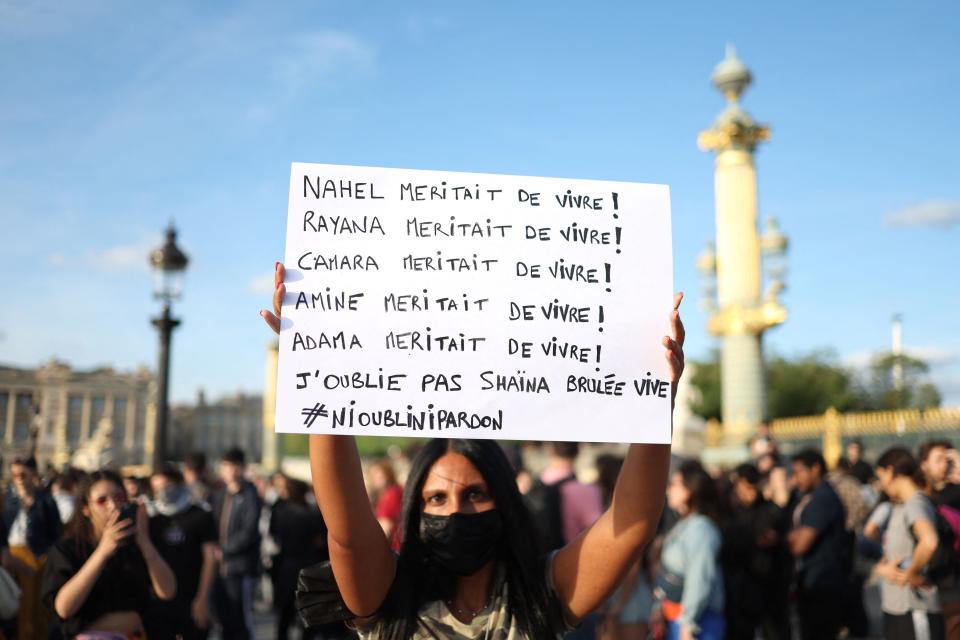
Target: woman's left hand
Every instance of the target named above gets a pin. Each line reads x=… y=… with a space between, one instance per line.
x=674 y=345
x=143 y=527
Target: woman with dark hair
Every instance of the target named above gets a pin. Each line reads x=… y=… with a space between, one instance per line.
x=910 y=603
x=689 y=583
x=469 y=566
x=99 y=576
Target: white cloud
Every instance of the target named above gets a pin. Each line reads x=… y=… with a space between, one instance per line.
x=262 y=285
x=119 y=259
x=123 y=258
x=859 y=360
x=933 y=213
x=933 y=356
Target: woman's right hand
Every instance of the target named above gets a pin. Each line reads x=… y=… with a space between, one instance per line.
x=279 y=289
x=114 y=533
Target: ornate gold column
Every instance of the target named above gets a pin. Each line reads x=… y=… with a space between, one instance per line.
x=740 y=312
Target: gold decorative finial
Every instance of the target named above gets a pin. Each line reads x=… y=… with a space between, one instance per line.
x=734 y=128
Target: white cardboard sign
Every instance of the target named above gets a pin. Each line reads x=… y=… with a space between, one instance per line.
x=467 y=305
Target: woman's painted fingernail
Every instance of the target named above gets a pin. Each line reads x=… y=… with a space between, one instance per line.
x=276 y=264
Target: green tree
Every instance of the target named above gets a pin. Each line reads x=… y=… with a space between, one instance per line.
x=812 y=383
x=706 y=380
x=881 y=391
x=809 y=385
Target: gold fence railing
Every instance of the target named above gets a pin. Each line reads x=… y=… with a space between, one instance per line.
x=832 y=427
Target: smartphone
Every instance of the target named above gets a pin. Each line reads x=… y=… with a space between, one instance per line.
x=128 y=512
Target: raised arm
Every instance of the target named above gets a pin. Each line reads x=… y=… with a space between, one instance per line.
x=589 y=568
x=162 y=580
x=363 y=565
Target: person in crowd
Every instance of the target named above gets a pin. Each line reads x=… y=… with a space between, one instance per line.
x=858 y=467
x=386 y=496
x=301 y=536
x=195 y=478
x=762 y=444
x=910 y=603
x=940 y=463
x=514 y=455
x=137 y=488
x=101 y=575
x=689 y=583
x=608 y=468
x=626 y=614
x=818 y=541
x=938 y=459
x=236 y=512
x=32 y=522
x=63 y=490
x=50 y=474
x=7 y=563
x=580 y=503
x=186 y=537
x=468 y=565
x=775 y=485
x=575 y=506
x=752 y=561
x=857 y=508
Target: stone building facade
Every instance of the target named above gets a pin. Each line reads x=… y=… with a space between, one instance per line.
x=214 y=427
x=91 y=418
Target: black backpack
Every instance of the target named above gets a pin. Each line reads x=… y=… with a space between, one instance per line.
x=546 y=506
x=943 y=569
x=944 y=566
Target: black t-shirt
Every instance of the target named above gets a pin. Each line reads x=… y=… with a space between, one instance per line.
x=948 y=496
x=123 y=584
x=862 y=471
x=299 y=531
x=741 y=552
x=179 y=539
x=824 y=565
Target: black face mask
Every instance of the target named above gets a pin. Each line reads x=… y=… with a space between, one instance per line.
x=461 y=543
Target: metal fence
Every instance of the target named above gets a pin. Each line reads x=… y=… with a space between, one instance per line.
x=875 y=429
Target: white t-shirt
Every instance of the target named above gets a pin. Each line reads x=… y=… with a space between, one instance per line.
x=18 y=530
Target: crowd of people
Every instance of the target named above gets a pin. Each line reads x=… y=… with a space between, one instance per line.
x=471 y=542
x=174 y=555
x=773 y=548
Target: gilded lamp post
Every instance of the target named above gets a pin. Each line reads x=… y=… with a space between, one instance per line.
x=740 y=309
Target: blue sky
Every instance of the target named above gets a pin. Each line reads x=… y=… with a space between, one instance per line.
x=116 y=117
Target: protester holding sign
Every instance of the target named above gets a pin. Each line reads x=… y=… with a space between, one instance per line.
x=468 y=563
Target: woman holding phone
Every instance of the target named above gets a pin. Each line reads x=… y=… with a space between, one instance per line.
x=99 y=576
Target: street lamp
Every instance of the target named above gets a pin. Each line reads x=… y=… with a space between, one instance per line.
x=169 y=264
